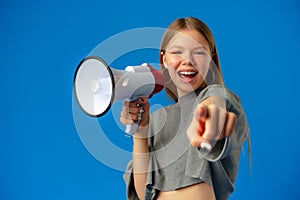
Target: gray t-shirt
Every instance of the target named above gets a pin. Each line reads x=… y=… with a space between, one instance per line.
x=175 y=164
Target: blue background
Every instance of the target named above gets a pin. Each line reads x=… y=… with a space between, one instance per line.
x=42 y=43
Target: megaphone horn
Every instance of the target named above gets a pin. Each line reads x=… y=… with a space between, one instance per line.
x=97 y=86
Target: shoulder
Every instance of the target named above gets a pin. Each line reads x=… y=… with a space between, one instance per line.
x=220 y=91
x=231 y=100
x=216 y=90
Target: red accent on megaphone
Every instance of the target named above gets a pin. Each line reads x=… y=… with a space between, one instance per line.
x=159 y=80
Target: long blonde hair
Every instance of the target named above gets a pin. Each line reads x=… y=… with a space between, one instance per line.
x=189 y=23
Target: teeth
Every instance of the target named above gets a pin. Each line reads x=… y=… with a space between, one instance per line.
x=187 y=73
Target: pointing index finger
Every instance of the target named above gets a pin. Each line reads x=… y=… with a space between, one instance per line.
x=202 y=113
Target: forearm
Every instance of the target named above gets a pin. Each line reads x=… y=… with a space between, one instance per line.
x=140 y=159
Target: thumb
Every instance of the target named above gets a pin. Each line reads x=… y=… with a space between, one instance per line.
x=142 y=100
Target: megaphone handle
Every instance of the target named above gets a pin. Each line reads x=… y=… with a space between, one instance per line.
x=131 y=129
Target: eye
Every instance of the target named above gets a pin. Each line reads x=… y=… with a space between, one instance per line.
x=199 y=53
x=175 y=52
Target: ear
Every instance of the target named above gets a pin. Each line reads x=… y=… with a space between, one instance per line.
x=164 y=61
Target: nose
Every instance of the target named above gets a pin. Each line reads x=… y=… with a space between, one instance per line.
x=187 y=60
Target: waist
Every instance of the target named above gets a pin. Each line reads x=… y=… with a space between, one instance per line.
x=202 y=191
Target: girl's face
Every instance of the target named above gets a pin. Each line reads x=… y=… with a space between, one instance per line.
x=187 y=58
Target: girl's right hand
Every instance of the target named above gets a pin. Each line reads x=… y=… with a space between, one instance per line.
x=131 y=113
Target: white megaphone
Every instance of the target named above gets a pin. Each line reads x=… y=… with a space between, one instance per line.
x=97 y=86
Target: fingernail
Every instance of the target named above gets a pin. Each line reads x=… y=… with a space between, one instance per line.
x=205 y=145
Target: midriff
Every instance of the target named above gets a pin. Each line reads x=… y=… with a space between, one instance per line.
x=200 y=191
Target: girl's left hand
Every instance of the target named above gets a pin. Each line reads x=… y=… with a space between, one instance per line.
x=209 y=124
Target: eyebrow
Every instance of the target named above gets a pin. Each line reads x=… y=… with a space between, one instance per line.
x=180 y=47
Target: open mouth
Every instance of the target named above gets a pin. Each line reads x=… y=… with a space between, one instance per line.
x=187 y=75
